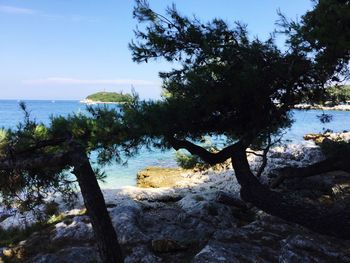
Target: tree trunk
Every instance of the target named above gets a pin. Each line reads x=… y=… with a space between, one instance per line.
x=228 y=199
x=106 y=237
x=334 y=221
x=328 y=165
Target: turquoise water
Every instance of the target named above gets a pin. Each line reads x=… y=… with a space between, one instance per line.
x=117 y=175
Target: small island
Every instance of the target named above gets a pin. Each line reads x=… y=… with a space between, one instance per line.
x=338 y=98
x=107 y=97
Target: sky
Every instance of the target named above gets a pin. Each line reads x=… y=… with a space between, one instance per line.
x=68 y=49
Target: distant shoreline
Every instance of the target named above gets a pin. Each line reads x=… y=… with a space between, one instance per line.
x=92 y=102
x=320 y=107
x=297 y=107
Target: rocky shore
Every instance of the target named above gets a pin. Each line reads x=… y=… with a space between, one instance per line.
x=345 y=107
x=183 y=220
x=319 y=137
x=93 y=102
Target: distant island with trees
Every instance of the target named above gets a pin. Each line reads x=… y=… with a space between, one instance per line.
x=339 y=94
x=107 y=97
x=335 y=98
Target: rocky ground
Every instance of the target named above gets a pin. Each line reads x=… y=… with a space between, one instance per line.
x=184 y=222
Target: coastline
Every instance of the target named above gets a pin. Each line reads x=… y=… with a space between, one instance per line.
x=297 y=106
x=184 y=219
x=93 y=102
x=321 y=107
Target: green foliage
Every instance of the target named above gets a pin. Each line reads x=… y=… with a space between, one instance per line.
x=323 y=33
x=101 y=130
x=338 y=94
x=110 y=97
x=187 y=161
x=29 y=187
x=226 y=83
x=327 y=30
x=3 y=141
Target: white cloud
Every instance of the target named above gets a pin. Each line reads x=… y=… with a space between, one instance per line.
x=73 y=18
x=16 y=10
x=75 y=81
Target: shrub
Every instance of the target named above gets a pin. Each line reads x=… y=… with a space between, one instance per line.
x=188 y=161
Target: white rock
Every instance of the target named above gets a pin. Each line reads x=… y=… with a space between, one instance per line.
x=78 y=229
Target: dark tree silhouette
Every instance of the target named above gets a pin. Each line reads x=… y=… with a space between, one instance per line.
x=35 y=161
x=225 y=83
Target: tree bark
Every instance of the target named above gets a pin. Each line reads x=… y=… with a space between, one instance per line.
x=106 y=237
x=228 y=199
x=205 y=155
x=334 y=221
x=328 y=165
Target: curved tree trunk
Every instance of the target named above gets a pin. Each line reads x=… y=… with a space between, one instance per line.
x=106 y=237
x=328 y=165
x=333 y=221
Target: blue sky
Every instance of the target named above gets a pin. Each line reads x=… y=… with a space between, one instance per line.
x=67 y=49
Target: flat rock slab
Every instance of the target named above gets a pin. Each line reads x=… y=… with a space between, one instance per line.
x=155 y=177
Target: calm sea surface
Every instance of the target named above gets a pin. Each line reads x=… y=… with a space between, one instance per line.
x=117 y=176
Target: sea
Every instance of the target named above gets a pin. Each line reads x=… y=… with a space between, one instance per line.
x=306 y=121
